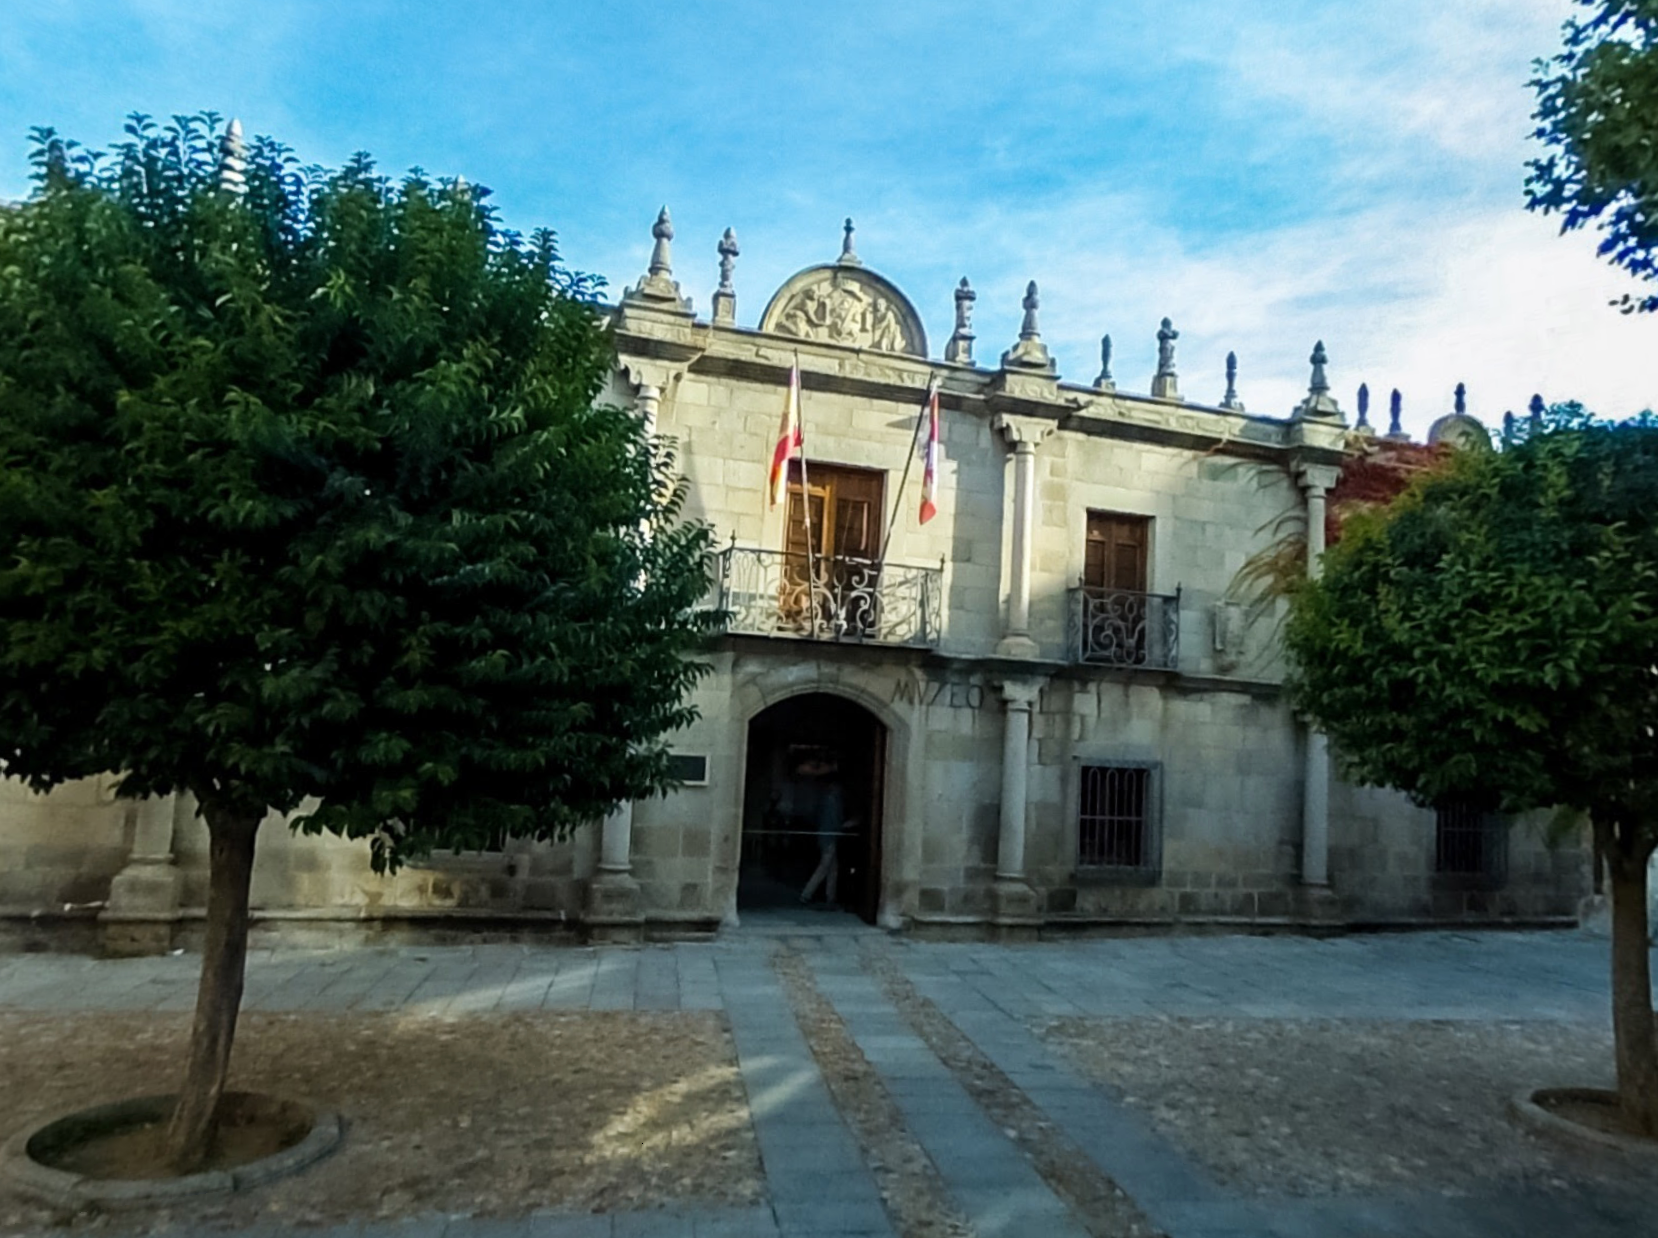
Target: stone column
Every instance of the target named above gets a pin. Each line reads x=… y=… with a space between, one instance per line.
x=1315 y=803
x=615 y=911
x=1023 y=435
x=1015 y=901
x=144 y=896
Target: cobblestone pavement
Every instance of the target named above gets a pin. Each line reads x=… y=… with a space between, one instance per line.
x=997 y=1166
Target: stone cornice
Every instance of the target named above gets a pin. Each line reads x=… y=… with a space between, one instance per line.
x=762 y=358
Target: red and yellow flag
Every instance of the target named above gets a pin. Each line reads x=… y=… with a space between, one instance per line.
x=929 y=478
x=789 y=439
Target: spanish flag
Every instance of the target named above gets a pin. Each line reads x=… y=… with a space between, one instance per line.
x=789 y=438
x=929 y=479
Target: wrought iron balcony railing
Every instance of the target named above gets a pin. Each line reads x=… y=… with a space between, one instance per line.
x=771 y=593
x=1117 y=627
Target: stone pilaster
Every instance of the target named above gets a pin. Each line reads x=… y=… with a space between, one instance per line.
x=1016 y=911
x=144 y=896
x=1023 y=435
x=615 y=911
x=1316 y=481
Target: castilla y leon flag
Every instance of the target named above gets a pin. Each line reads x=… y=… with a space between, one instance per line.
x=789 y=438
x=929 y=478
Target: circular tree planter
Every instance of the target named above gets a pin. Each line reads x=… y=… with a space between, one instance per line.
x=1536 y=1110
x=110 y=1155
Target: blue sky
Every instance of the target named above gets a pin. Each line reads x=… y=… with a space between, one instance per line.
x=1264 y=174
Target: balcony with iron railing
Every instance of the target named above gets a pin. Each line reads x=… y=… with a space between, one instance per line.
x=1122 y=628
x=777 y=593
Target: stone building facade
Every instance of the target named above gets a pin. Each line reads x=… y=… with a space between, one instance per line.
x=1044 y=705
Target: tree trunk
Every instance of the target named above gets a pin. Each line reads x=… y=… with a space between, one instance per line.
x=219 y=997
x=1632 y=1022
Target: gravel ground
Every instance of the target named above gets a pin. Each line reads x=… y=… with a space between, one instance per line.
x=1097 y=1201
x=497 y=1114
x=1331 y=1107
x=914 y=1194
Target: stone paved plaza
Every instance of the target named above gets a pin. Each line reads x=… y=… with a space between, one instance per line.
x=819 y=1179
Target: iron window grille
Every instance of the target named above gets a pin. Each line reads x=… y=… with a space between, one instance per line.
x=1117 y=821
x=1470 y=845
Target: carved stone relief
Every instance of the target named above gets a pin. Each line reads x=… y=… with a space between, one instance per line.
x=844 y=307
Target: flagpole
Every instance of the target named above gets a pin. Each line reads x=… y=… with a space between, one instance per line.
x=898 y=500
x=805 y=491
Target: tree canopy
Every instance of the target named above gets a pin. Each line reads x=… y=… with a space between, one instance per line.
x=309 y=501
x=306 y=493
x=1597 y=114
x=1491 y=638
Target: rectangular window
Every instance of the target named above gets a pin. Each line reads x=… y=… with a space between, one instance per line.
x=1115 y=556
x=1115 y=818
x=1470 y=843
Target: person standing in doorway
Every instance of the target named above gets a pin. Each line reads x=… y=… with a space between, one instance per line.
x=821 y=774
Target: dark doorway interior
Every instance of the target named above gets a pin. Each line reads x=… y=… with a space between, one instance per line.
x=781 y=842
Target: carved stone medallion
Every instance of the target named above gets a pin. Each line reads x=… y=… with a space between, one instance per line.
x=851 y=306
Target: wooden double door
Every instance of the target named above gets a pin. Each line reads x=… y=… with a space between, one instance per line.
x=832 y=549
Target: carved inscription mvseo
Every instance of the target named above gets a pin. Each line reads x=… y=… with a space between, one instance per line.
x=941 y=693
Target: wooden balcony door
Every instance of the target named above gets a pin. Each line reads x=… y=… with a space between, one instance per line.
x=1115 y=606
x=1115 y=557
x=846 y=507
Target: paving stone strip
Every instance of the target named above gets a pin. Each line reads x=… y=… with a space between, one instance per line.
x=912 y=1189
x=1102 y=1206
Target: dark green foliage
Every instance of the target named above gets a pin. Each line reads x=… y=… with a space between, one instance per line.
x=1597 y=112
x=305 y=496
x=1493 y=634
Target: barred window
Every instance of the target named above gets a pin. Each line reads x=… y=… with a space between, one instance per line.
x=1470 y=842
x=1115 y=818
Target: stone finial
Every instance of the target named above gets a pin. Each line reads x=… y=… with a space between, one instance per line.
x=725 y=296
x=849 y=256
x=1510 y=426
x=1534 y=415
x=1461 y=406
x=662 y=257
x=1105 y=382
x=657 y=285
x=1230 y=399
x=960 y=347
x=1363 y=423
x=1319 y=402
x=233 y=160
x=1165 y=384
x=1029 y=353
x=1395 y=409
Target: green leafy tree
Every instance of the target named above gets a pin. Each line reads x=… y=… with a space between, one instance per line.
x=1597 y=114
x=307 y=505
x=1491 y=637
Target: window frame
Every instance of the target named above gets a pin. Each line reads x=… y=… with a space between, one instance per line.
x=1150 y=871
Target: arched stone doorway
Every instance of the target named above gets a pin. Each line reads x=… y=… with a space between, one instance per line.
x=781 y=841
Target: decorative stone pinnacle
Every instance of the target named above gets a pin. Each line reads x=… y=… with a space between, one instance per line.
x=1230 y=399
x=1165 y=384
x=1395 y=410
x=960 y=347
x=1320 y=383
x=1535 y=409
x=1031 y=303
x=1029 y=352
x=725 y=296
x=1363 y=422
x=658 y=283
x=662 y=258
x=233 y=161
x=728 y=252
x=1462 y=400
x=1319 y=402
x=849 y=256
x=1105 y=382
x=1509 y=424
